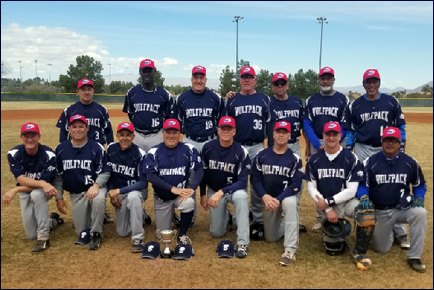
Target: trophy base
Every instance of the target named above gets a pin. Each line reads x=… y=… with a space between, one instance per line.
x=167 y=255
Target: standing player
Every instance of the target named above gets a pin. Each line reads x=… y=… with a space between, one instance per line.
x=100 y=127
x=83 y=172
x=388 y=176
x=128 y=188
x=198 y=110
x=367 y=117
x=226 y=164
x=333 y=175
x=250 y=110
x=147 y=106
x=277 y=177
x=328 y=105
x=168 y=166
x=34 y=167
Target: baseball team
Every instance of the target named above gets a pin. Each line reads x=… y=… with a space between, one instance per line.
x=356 y=167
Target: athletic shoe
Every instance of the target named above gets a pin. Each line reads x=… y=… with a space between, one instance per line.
x=176 y=220
x=403 y=242
x=137 y=246
x=302 y=228
x=287 y=258
x=191 y=225
x=184 y=240
x=146 y=217
x=95 y=242
x=56 y=216
x=107 y=219
x=241 y=251
x=53 y=224
x=362 y=260
x=41 y=245
x=417 y=265
x=317 y=227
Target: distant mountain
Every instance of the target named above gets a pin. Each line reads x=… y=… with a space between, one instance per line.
x=361 y=89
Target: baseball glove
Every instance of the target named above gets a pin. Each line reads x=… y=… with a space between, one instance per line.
x=365 y=212
x=417 y=202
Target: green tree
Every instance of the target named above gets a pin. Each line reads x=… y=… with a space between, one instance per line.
x=303 y=84
x=263 y=82
x=427 y=90
x=87 y=68
x=158 y=79
x=227 y=81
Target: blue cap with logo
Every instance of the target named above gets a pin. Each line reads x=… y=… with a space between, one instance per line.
x=226 y=249
x=183 y=252
x=151 y=250
x=84 y=238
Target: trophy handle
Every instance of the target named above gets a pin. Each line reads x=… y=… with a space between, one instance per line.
x=174 y=232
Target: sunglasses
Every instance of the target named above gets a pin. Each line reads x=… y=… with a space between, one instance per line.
x=280 y=82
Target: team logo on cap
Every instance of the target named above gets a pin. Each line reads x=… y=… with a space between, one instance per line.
x=227 y=120
x=29 y=126
x=124 y=125
x=84 y=81
x=331 y=126
x=283 y=123
x=280 y=76
x=76 y=117
x=147 y=62
x=247 y=69
x=371 y=72
x=198 y=68
x=390 y=131
x=326 y=69
x=171 y=123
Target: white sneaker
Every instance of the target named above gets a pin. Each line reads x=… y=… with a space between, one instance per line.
x=317 y=227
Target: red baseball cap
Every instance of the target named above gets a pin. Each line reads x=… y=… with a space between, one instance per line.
x=391 y=132
x=226 y=121
x=84 y=82
x=282 y=125
x=326 y=70
x=198 y=70
x=147 y=63
x=127 y=126
x=30 y=128
x=171 y=124
x=77 y=118
x=248 y=70
x=332 y=126
x=371 y=73
x=279 y=76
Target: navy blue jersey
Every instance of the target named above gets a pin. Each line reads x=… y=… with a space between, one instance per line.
x=126 y=166
x=80 y=166
x=279 y=175
x=331 y=177
x=251 y=113
x=320 y=110
x=198 y=112
x=289 y=110
x=41 y=166
x=387 y=179
x=367 y=119
x=226 y=168
x=100 y=127
x=172 y=166
x=148 y=110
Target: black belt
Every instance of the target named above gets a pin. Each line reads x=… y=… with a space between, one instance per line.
x=384 y=207
x=292 y=141
x=250 y=143
x=147 y=132
x=200 y=139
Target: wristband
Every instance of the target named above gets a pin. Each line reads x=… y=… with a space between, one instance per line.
x=327 y=210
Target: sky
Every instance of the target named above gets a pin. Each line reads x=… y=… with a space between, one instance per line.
x=394 y=37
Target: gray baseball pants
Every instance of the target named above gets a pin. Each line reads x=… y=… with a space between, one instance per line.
x=164 y=211
x=146 y=142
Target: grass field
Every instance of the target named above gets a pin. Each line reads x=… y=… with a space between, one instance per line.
x=65 y=265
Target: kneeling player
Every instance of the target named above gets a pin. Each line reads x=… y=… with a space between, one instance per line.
x=128 y=188
x=277 y=177
x=333 y=175
x=168 y=166
x=226 y=165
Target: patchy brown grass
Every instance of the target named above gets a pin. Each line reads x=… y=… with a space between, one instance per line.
x=65 y=265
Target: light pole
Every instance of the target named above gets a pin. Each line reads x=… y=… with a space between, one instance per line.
x=36 y=71
x=21 y=78
x=110 y=72
x=321 y=20
x=49 y=73
x=236 y=18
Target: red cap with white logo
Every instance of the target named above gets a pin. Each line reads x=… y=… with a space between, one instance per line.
x=332 y=126
x=84 y=82
x=282 y=125
x=326 y=70
x=77 y=118
x=247 y=70
x=127 y=126
x=198 y=70
x=226 y=121
x=391 y=132
x=171 y=124
x=147 y=63
x=279 y=76
x=30 y=128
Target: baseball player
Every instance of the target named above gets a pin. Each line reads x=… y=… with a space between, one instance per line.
x=226 y=164
x=277 y=177
x=100 y=127
x=198 y=111
x=388 y=176
x=332 y=176
x=366 y=119
x=34 y=167
x=83 y=172
x=147 y=106
x=167 y=168
x=128 y=188
x=328 y=105
x=250 y=110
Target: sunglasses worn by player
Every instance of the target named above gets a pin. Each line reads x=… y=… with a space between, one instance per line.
x=280 y=83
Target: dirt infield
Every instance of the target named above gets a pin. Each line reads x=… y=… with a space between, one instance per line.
x=426 y=118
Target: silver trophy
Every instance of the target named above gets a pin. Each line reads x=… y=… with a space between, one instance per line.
x=166 y=236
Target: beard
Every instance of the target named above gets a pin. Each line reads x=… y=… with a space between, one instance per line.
x=326 y=89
